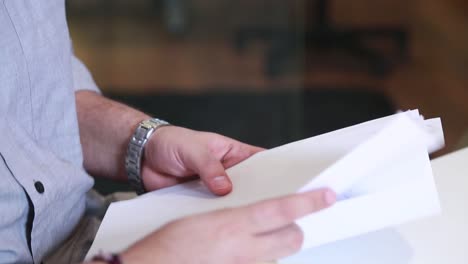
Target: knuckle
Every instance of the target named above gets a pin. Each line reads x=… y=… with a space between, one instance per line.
x=285 y=211
x=258 y=214
x=274 y=211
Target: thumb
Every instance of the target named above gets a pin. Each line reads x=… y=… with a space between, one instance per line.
x=212 y=173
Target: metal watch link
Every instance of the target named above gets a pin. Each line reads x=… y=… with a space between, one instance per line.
x=135 y=152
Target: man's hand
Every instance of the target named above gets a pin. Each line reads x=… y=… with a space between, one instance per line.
x=263 y=231
x=174 y=154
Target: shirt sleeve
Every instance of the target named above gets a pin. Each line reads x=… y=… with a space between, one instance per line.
x=82 y=78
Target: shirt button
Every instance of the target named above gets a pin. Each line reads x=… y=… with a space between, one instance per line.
x=39 y=187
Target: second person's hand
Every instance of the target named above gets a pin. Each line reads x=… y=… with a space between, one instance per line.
x=261 y=232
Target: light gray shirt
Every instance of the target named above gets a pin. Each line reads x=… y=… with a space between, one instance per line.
x=41 y=159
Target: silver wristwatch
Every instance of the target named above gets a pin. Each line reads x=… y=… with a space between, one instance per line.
x=135 y=152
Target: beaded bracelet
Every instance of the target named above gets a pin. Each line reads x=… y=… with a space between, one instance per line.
x=109 y=259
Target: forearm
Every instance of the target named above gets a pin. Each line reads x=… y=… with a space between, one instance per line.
x=105 y=130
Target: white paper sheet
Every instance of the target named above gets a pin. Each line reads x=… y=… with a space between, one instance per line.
x=434 y=240
x=380 y=170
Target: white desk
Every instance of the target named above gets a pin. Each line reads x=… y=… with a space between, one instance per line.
x=441 y=239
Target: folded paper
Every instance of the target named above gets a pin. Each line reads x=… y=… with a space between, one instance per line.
x=380 y=170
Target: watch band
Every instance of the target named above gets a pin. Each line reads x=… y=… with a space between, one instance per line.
x=135 y=152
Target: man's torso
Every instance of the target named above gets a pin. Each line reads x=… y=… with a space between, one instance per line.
x=40 y=153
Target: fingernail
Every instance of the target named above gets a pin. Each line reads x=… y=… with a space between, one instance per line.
x=329 y=197
x=220 y=182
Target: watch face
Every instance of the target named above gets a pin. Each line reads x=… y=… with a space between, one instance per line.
x=153 y=123
x=147 y=124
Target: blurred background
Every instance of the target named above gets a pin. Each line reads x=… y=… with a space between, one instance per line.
x=272 y=71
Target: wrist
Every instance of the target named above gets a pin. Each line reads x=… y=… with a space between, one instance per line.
x=132 y=125
x=136 y=149
x=105 y=128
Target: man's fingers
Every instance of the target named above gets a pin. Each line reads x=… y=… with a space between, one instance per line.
x=211 y=172
x=279 y=243
x=277 y=213
x=215 y=178
x=239 y=152
x=156 y=180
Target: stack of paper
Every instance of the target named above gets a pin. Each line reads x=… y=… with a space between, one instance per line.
x=380 y=170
